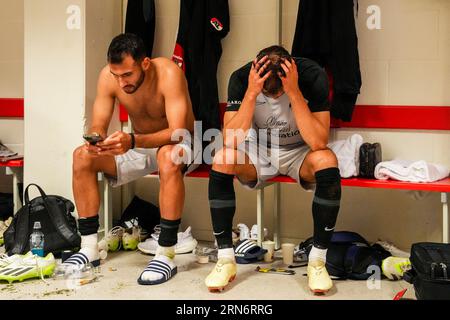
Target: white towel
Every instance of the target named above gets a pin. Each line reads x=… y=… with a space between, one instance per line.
x=412 y=171
x=347 y=153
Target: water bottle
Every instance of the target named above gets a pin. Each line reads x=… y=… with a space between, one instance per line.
x=37 y=240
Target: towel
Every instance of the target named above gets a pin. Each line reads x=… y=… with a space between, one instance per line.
x=411 y=171
x=347 y=153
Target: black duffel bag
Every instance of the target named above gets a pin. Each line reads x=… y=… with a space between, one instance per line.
x=57 y=224
x=349 y=255
x=429 y=274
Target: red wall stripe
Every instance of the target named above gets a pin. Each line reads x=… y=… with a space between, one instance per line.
x=399 y=117
x=11 y=107
x=364 y=116
x=383 y=117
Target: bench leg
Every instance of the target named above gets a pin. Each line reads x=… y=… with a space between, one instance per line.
x=106 y=204
x=107 y=210
x=259 y=214
x=16 y=196
x=276 y=215
x=445 y=234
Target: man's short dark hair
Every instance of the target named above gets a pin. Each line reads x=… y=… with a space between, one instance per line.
x=126 y=44
x=273 y=84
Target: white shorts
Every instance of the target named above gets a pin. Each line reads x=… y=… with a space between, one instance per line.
x=273 y=162
x=140 y=162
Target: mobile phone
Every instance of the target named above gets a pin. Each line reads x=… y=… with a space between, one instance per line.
x=92 y=138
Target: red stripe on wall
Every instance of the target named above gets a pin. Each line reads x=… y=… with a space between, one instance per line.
x=384 y=117
x=399 y=117
x=11 y=107
x=364 y=116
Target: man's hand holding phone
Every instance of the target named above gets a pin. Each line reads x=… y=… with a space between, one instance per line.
x=117 y=143
x=91 y=142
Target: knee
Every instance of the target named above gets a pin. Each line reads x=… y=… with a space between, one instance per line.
x=166 y=161
x=323 y=159
x=225 y=161
x=82 y=160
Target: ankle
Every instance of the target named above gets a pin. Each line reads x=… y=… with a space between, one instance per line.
x=166 y=251
x=227 y=253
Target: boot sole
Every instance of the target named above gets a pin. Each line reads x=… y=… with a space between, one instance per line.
x=221 y=288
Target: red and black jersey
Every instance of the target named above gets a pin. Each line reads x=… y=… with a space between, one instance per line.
x=203 y=24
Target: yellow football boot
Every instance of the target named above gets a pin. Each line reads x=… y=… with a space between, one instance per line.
x=318 y=279
x=223 y=273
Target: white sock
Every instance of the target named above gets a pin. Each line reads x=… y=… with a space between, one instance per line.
x=163 y=254
x=227 y=253
x=318 y=254
x=89 y=246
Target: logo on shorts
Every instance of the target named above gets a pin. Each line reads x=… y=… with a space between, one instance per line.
x=216 y=24
x=329 y=229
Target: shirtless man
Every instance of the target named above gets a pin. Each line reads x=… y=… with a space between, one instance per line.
x=155 y=95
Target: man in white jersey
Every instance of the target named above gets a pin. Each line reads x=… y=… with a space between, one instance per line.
x=281 y=105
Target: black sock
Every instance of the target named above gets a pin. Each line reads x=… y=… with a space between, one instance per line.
x=222 y=203
x=169 y=231
x=325 y=205
x=88 y=226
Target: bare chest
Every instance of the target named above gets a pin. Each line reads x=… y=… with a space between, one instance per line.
x=147 y=113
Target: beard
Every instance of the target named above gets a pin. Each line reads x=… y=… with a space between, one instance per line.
x=130 y=89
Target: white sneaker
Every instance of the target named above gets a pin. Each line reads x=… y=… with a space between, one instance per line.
x=244 y=232
x=396 y=252
x=6 y=260
x=186 y=243
x=254 y=232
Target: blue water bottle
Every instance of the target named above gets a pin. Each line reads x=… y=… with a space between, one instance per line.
x=37 y=240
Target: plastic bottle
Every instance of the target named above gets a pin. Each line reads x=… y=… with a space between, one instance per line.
x=37 y=240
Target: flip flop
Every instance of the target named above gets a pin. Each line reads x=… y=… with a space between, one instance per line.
x=247 y=251
x=161 y=267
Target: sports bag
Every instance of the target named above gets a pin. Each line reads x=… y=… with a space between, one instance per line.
x=430 y=270
x=57 y=224
x=369 y=156
x=349 y=255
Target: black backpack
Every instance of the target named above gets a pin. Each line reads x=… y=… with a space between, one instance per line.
x=349 y=255
x=57 y=224
x=146 y=214
x=430 y=272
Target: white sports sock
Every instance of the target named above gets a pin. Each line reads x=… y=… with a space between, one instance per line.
x=318 y=254
x=226 y=253
x=164 y=254
x=89 y=246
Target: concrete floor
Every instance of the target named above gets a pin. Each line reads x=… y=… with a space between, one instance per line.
x=118 y=274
